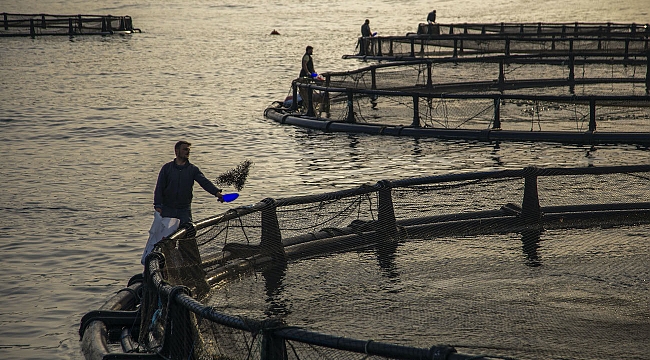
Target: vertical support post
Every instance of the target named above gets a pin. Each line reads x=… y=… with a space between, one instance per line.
x=310 y=101
x=497 y=114
x=6 y=22
x=412 y=47
x=592 y=115
x=373 y=78
x=429 y=79
x=32 y=32
x=572 y=74
x=647 y=72
x=507 y=50
x=455 y=48
x=627 y=48
x=502 y=75
x=271 y=238
x=386 y=213
x=552 y=42
x=294 y=102
x=273 y=347
x=350 y=118
x=416 y=111
x=70 y=27
x=43 y=25
x=530 y=210
x=104 y=25
x=178 y=340
x=378 y=48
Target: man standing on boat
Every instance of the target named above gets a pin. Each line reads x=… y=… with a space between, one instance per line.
x=173 y=193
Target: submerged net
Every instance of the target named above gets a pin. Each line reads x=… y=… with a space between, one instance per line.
x=518 y=264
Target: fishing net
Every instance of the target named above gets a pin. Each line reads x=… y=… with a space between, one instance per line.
x=236 y=177
x=515 y=264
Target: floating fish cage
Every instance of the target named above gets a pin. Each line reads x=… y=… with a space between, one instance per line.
x=45 y=24
x=571 y=98
x=531 y=263
x=538 y=39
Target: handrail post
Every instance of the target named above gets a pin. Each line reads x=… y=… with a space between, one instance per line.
x=70 y=27
x=416 y=111
x=271 y=238
x=310 y=101
x=6 y=21
x=647 y=71
x=572 y=74
x=592 y=115
x=497 y=114
x=530 y=210
x=502 y=76
x=350 y=118
x=294 y=101
x=386 y=213
x=32 y=32
x=273 y=346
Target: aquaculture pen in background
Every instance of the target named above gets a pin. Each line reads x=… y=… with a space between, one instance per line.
x=45 y=24
x=484 y=99
x=483 y=39
x=230 y=286
x=579 y=83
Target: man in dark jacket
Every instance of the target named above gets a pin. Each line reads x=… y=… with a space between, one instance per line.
x=173 y=194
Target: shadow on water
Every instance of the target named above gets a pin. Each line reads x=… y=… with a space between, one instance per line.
x=274 y=275
x=530 y=244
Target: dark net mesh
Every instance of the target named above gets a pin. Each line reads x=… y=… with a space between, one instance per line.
x=524 y=264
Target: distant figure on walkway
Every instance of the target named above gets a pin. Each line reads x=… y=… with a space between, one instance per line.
x=431 y=18
x=365 y=44
x=365 y=29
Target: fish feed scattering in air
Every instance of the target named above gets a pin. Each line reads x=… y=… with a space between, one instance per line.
x=237 y=176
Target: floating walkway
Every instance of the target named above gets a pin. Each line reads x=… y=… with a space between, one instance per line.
x=71 y=25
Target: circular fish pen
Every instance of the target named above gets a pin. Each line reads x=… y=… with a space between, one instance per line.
x=579 y=84
x=533 y=263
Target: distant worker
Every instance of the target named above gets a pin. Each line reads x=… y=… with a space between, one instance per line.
x=431 y=18
x=365 y=29
x=307 y=68
x=365 y=44
x=173 y=194
x=307 y=74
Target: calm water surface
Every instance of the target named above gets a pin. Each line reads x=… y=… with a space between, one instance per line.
x=87 y=122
